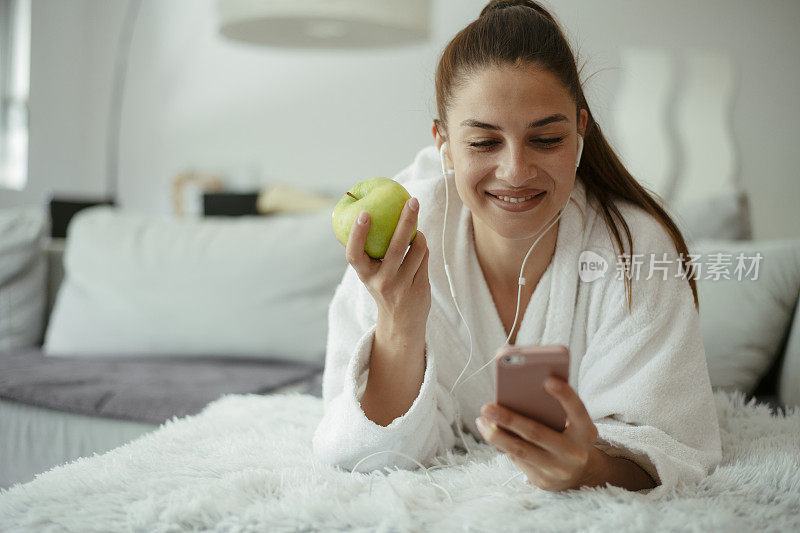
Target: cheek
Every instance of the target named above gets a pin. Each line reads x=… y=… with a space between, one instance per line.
x=558 y=162
x=466 y=189
x=470 y=186
x=475 y=174
x=472 y=166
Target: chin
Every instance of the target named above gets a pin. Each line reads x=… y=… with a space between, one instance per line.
x=522 y=232
x=518 y=230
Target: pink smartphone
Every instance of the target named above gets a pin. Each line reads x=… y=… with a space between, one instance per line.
x=521 y=372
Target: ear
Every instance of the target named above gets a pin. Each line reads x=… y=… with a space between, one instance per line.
x=437 y=138
x=440 y=140
x=584 y=121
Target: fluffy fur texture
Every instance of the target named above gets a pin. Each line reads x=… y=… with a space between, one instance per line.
x=245 y=464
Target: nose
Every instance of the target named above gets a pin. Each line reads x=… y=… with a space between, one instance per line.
x=515 y=166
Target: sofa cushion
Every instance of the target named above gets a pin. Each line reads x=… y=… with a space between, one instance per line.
x=23 y=271
x=744 y=318
x=789 y=377
x=724 y=215
x=138 y=284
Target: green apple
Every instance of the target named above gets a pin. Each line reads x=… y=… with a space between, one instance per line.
x=383 y=199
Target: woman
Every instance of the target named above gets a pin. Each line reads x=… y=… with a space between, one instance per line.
x=512 y=118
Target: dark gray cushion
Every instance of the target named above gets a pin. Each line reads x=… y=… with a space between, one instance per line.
x=144 y=389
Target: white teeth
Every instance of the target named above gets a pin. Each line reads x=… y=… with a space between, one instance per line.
x=515 y=200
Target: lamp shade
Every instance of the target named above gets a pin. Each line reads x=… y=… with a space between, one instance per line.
x=324 y=23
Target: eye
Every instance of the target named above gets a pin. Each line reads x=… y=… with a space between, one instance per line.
x=547 y=143
x=483 y=144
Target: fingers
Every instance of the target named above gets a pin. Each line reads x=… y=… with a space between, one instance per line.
x=397 y=267
x=578 y=420
x=527 y=428
x=413 y=259
x=363 y=264
x=422 y=272
x=512 y=444
x=549 y=468
x=401 y=237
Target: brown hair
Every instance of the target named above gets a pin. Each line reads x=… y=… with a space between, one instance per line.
x=520 y=32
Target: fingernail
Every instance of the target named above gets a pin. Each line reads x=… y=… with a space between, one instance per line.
x=362 y=218
x=481 y=424
x=413 y=204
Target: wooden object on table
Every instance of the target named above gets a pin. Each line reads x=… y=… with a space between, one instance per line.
x=207 y=182
x=283 y=198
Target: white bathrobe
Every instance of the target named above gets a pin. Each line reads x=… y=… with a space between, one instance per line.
x=642 y=375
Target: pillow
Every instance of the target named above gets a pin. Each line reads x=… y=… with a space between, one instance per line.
x=789 y=377
x=23 y=276
x=163 y=285
x=722 y=216
x=743 y=319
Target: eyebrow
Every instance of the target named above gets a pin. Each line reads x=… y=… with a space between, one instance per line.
x=474 y=123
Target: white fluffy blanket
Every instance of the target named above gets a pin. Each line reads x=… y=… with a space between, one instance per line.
x=245 y=464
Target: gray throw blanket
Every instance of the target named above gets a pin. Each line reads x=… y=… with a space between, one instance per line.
x=143 y=389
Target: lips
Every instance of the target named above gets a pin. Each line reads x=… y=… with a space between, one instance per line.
x=534 y=194
x=515 y=194
x=518 y=206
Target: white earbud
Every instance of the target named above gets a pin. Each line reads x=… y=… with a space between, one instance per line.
x=580 y=151
x=445 y=170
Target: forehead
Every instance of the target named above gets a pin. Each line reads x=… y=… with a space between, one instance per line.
x=506 y=91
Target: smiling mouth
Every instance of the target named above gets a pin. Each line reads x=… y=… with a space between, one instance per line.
x=516 y=200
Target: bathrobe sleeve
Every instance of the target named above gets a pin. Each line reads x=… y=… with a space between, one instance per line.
x=345 y=435
x=644 y=378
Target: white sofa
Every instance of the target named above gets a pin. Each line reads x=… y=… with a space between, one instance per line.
x=110 y=371
x=116 y=263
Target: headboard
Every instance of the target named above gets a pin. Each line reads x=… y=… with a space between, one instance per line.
x=672 y=121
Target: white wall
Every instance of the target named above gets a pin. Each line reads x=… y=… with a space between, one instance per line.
x=327 y=119
x=763 y=39
x=72 y=46
x=321 y=119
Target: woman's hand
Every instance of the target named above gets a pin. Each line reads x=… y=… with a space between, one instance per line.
x=552 y=460
x=398 y=284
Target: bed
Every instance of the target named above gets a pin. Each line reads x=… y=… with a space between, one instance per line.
x=219 y=439
x=244 y=464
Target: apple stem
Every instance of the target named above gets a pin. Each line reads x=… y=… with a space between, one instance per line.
x=348 y=194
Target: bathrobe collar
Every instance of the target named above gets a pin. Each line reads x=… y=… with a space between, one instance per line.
x=549 y=315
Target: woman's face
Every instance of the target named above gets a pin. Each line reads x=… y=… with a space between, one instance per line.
x=513 y=129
